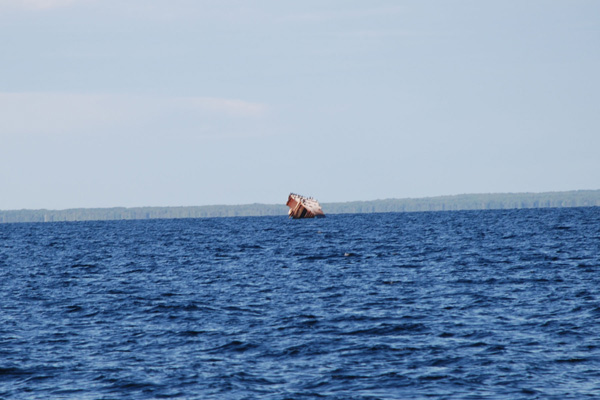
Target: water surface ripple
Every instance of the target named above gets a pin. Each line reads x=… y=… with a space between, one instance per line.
x=446 y=305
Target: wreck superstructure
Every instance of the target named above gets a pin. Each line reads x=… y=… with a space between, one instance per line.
x=303 y=207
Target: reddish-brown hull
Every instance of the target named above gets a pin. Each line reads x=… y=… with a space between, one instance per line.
x=303 y=207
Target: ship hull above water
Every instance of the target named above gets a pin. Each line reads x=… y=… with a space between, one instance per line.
x=303 y=207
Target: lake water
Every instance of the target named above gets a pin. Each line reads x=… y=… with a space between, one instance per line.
x=440 y=305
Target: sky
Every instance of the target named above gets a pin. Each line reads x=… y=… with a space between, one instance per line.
x=133 y=103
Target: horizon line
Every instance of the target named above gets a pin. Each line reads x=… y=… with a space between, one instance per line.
x=324 y=203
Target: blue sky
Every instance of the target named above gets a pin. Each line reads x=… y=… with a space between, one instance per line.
x=181 y=102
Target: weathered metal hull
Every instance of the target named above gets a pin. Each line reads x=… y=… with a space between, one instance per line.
x=303 y=207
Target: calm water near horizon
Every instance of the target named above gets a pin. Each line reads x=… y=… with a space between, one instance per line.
x=437 y=305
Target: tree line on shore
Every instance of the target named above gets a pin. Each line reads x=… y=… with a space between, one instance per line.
x=579 y=198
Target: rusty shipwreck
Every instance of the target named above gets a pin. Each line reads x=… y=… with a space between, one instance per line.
x=303 y=207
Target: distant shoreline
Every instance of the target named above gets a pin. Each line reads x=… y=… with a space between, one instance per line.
x=492 y=201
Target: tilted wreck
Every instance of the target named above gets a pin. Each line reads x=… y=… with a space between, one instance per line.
x=303 y=207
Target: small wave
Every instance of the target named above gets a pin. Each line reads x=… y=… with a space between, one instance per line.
x=160 y=308
x=74 y=308
x=432 y=377
x=251 y=247
x=495 y=349
x=244 y=310
x=12 y=372
x=343 y=375
x=235 y=346
x=123 y=386
x=320 y=257
x=573 y=360
x=389 y=329
x=563 y=227
x=83 y=265
x=191 y=333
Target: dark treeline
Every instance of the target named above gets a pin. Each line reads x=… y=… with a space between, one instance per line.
x=118 y=213
x=580 y=198
x=495 y=201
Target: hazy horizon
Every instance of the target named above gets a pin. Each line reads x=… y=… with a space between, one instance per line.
x=182 y=103
x=282 y=203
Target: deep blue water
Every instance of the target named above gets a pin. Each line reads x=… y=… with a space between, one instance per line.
x=441 y=305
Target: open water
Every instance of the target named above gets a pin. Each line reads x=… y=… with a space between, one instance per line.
x=440 y=305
